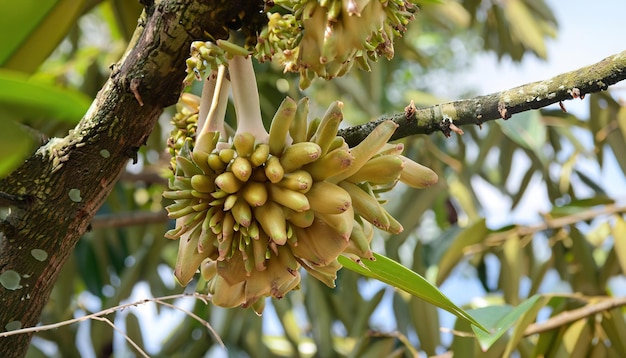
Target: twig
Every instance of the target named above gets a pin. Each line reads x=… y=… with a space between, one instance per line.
x=98 y=315
x=595 y=78
x=566 y=317
x=496 y=238
x=128 y=219
x=196 y=317
x=130 y=341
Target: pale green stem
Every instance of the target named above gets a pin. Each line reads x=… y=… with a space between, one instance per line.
x=208 y=89
x=214 y=119
x=246 y=97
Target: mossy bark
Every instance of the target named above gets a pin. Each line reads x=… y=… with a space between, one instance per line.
x=502 y=105
x=57 y=191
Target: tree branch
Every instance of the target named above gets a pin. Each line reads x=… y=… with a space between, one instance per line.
x=571 y=316
x=576 y=84
x=68 y=179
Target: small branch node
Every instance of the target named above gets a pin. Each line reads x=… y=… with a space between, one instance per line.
x=575 y=93
x=134 y=88
x=409 y=111
x=504 y=113
x=479 y=121
x=447 y=127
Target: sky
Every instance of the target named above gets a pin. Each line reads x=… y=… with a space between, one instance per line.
x=587 y=33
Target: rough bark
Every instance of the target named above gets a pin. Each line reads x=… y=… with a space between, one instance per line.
x=501 y=105
x=55 y=193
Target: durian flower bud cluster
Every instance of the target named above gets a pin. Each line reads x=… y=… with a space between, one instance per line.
x=253 y=209
x=185 y=122
x=326 y=38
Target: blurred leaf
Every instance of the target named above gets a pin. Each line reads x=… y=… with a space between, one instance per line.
x=373 y=347
x=526 y=129
x=321 y=317
x=472 y=234
x=425 y=319
x=592 y=184
x=520 y=326
x=617 y=144
x=126 y=14
x=38 y=99
x=576 y=340
x=621 y=120
x=464 y=196
x=583 y=265
x=15 y=146
x=525 y=27
x=511 y=269
x=614 y=325
x=523 y=185
x=133 y=331
x=31 y=30
x=396 y=275
x=619 y=241
x=499 y=319
x=89 y=267
x=580 y=205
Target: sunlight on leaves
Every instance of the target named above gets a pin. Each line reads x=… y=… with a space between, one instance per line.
x=391 y=272
x=498 y=319
x=37 y=27
x=35 y=99
x=15 y=144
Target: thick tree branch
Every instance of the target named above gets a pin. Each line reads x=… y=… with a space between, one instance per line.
x=576 y=84
x=66 y=181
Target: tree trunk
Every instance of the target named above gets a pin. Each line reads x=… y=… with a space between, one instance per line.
x=56 y=192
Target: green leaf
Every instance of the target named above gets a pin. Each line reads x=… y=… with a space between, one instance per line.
x=31 y=30
x=391 y=272
x=580 y=205
x=499 y=319
x=15 y=146
x=522 y=323
x=37 y=99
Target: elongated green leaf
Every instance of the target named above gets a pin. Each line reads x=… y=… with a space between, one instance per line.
x=396 y=275
x=15 y=145
x=31 y=30
x=499 y=319
x=525 y=320
x=35 y=99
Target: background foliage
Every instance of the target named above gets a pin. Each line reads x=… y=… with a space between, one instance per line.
x=575 y=258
